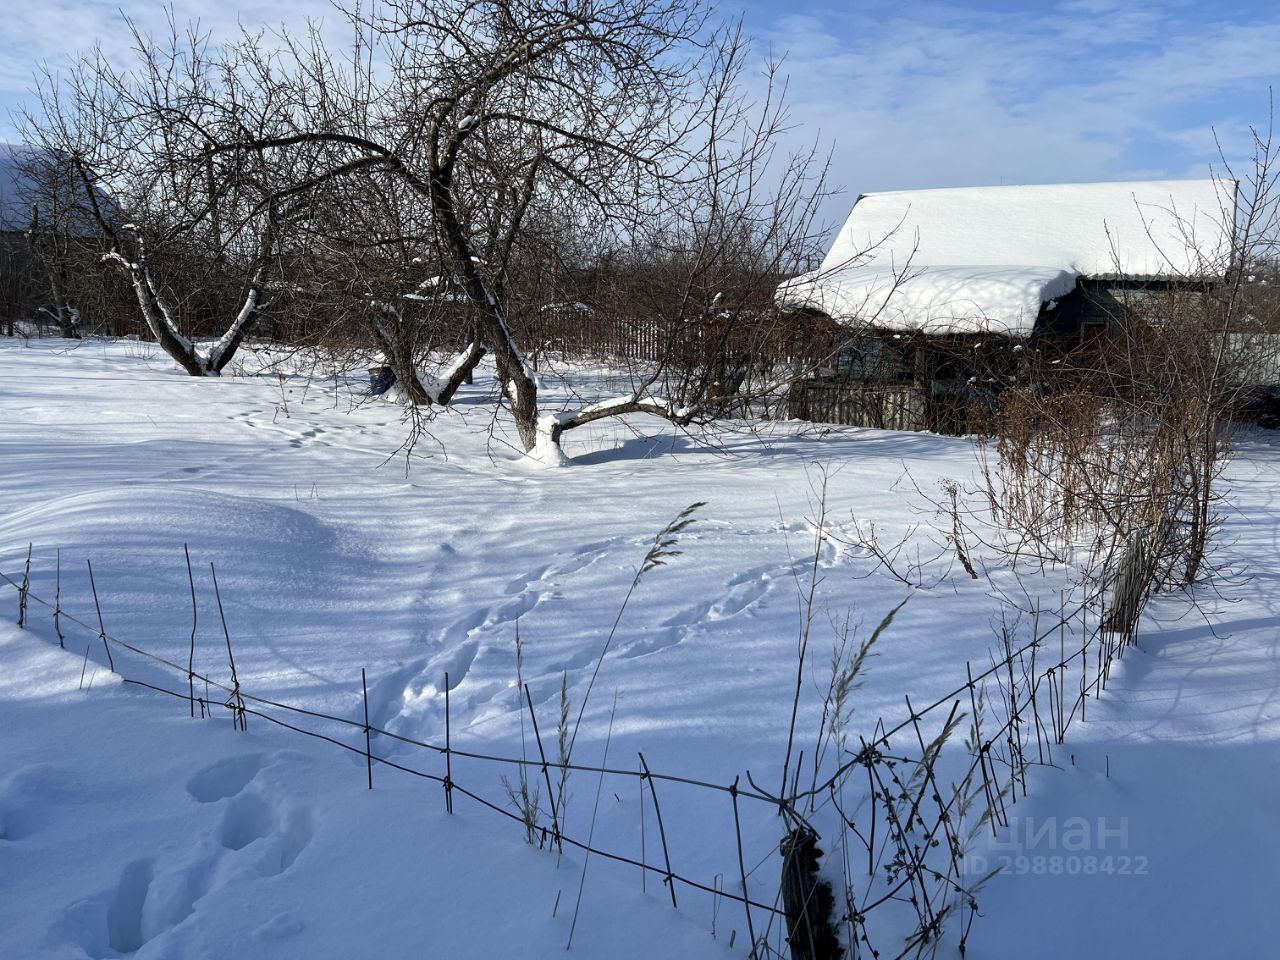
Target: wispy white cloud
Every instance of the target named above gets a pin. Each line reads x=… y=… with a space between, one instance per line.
x=930 y=94
x=48 y=32
x=923 y=94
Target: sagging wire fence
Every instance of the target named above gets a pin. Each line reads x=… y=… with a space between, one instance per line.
x=241 y=705
x=888 y=796
x=895 y=871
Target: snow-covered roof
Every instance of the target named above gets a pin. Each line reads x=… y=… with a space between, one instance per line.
x=984 y=259
x=19 y=187
x=15 y=207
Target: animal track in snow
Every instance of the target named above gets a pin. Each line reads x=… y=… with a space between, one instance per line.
x=581 y=558
x=279 y=927
x=388 y=694
x=419 y=686
x=246 y=818
x=286 y=843
x=225 y=778
x=455 y=663
x=306 y=435
x=255 y=832
x=127 y=916
x=30 y=797
x=652 y=644
x=123 y=928
x=519 y=584
x=744 y=592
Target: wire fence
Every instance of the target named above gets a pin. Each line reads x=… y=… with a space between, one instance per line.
x=240 y=705
x=883 y=799
x=916 y=833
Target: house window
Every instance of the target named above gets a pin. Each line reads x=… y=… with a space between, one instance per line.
x=871 y=358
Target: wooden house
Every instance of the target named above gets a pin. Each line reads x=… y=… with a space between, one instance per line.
x=948 y=296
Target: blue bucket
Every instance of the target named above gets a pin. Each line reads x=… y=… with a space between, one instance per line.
x=380 y=380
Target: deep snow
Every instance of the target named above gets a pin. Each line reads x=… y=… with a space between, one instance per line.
x=975 y=259
x=129 y=829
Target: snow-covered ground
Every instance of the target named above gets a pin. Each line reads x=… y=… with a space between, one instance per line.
x=1176 y=778
x=128 y=829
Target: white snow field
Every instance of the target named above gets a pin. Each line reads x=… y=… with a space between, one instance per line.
x=128 y=829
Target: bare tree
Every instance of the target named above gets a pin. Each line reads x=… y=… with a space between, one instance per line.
x=470 y=139
x=1116 y=448
x=371 y=261
x=195 y=235
x=56 y=237
x=460 y=170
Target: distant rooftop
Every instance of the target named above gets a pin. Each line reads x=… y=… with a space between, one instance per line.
x=18 y=188
x=15 y=187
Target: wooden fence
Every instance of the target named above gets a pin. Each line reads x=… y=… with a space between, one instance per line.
x=576 y=330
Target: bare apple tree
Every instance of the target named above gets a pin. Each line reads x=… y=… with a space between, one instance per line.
x=195 y=235
x=468 y=140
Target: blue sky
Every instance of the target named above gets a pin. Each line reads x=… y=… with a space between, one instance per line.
x=931 y=94
x=913 y=94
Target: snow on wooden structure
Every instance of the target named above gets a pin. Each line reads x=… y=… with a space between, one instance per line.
x=985 y=259
x=941 y=288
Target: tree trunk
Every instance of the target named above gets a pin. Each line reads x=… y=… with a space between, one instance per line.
x=518 y=386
